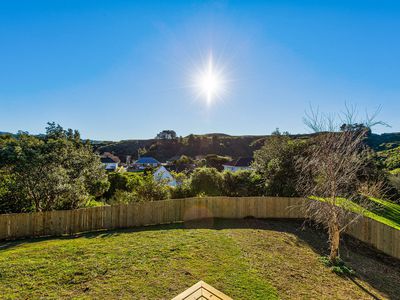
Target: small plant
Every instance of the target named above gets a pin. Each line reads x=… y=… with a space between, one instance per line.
x=339 y=267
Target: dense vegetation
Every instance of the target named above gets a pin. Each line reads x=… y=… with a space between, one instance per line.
x=220 y=144
x=58 y=170
x=54 y=171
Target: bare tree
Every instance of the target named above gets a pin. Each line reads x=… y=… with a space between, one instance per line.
x=335 y=172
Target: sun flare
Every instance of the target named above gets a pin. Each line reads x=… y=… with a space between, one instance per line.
x=209 y=82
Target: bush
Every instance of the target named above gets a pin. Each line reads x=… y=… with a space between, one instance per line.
x=151 y=190
x=339 y=267
x=126 y=181
x=276 y=162
x=123 y=197
x=135 y=187
x=10 y=200
x=242 y=184
x=207 y=181
x=183 y=188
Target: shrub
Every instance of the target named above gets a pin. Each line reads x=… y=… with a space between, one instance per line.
x=123 y=197
x=10 y=200
x=208 y=181
x=339 y=267
x=276 y=163
x=151 y=190
x=242 y=183
x=183 y=188
x=126 y=181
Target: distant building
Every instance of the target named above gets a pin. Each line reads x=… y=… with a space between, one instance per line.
x=162 y=174
x=242 y=163
x=145 y=162
x=110 y=163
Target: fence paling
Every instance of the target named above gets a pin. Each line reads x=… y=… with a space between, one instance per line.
x=54 y=223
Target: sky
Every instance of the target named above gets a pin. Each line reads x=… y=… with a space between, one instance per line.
x=127 y=69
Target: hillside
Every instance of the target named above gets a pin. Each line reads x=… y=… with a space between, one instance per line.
x=216 y=143
x=265 y=259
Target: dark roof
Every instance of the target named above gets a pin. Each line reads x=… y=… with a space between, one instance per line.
x=108 y=160
x=147 y=160
x=240 y=162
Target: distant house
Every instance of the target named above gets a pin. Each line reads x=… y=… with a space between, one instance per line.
x=162 y=174
x=110 y=163
x=242 y=163
x=145 y=162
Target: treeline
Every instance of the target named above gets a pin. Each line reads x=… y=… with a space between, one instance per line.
x=192 y=145
x=58 y=170
x=136 y=187
x=224 y=145
x=275 y=173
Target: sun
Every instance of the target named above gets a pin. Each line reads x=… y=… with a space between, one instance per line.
x=209 y=81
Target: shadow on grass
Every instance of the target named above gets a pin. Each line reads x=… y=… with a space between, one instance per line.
x=377 y=269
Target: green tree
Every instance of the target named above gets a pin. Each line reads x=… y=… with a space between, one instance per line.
x=207 y=180
x=276 y=163
x=54 y=171
x=242 y=184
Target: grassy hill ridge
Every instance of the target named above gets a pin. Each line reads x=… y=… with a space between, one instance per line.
x=216 y=143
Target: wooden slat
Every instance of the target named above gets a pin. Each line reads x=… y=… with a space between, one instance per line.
x=12 y=226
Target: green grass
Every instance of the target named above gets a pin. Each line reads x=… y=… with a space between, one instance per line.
x=395 y=171
x=387 y=212
x=384 y=211
x=246 y=259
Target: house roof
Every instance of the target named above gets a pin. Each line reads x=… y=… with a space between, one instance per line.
x=108 y=160
x=240 y=162
x=106 y=156
x=147 y=160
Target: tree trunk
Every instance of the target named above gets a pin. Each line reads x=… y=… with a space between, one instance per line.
x=335 y=240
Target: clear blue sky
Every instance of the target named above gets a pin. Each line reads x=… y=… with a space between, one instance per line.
x=120 y=69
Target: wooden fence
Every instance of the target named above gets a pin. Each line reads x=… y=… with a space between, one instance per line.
x=55 y=223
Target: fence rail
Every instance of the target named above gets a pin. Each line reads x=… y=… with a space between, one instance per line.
x=55 y=223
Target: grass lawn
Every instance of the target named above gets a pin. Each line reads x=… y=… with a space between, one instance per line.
x=246 y=259
x=384 y=211
x=387 y=212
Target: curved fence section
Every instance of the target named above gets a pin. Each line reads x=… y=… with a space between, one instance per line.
x=55 y=223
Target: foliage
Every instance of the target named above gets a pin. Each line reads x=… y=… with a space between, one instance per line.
x=216 y=161
x=183 y=188
x=208 y=181
x=242 y=184
x=9 y=200
x=166 y=135
x=339 y=267
x=183 y=162
x=123 y=181
x=54 y=171
x=390 y=158
x=275 y=161
x=151 y=190
x=123 y=197
x=94 y=203
x=133 y=187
